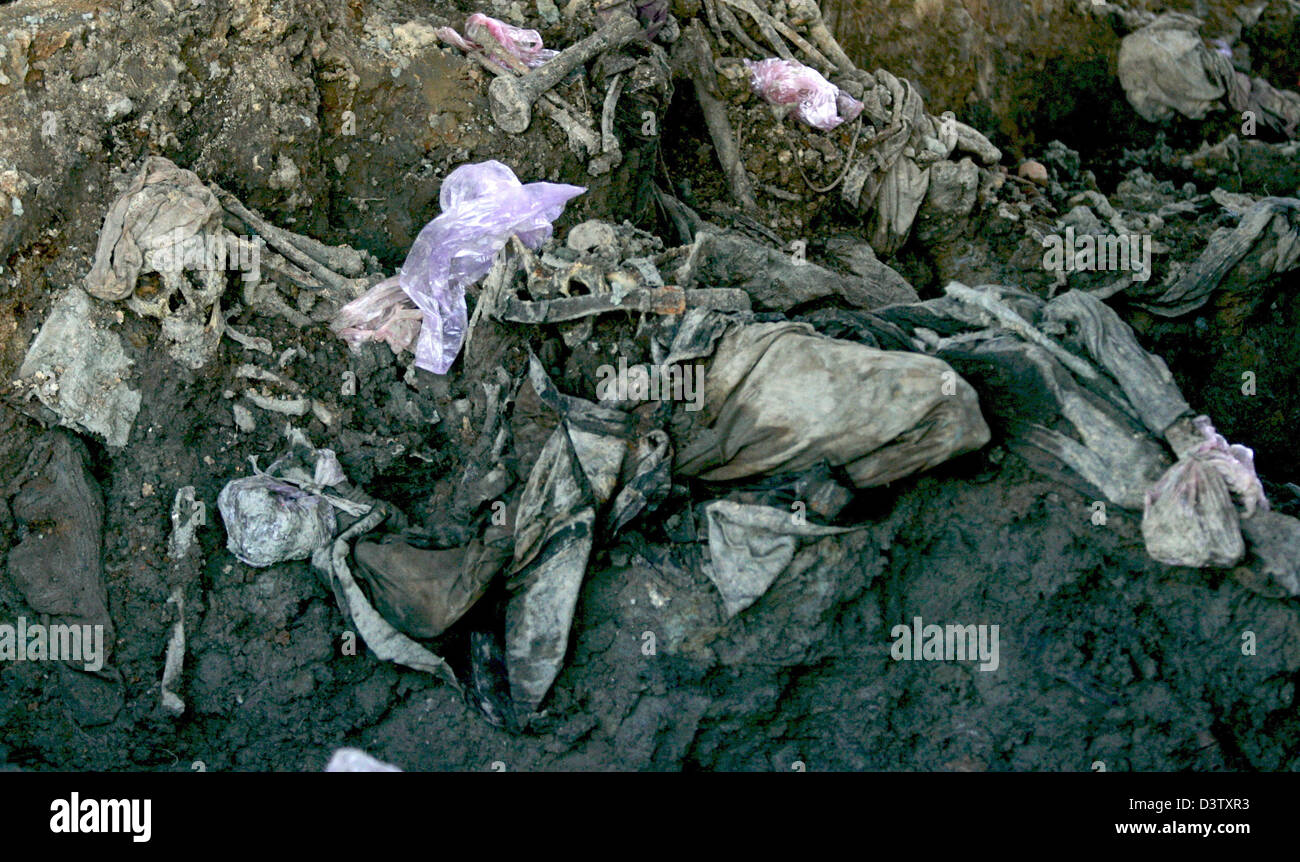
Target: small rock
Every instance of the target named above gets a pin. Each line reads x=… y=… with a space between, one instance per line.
x=1035 y=172
x=549 y=11
x=118 y=109
x=415 y=35
x=286 y=175
x=244 y=420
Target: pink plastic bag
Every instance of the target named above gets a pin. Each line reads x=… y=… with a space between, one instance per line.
x=383 y=313
x=817 y=101
x=1235 y=463
x=482 y=31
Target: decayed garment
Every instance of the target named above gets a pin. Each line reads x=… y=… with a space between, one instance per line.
x=1266 y=242
x=589 y=462
x=779 y=398
x=164 y=206
x=750 y=546
x=1112 y=345
x=892 y=180
x=1165 y=68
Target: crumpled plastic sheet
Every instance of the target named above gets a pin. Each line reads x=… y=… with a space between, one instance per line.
x=1166 y=68
x=485 y=35
x=383 y=313
x=268 y=521
x=1235 y=463
x=1189 y=518
x=816 y=101
x=483 y=205
x=285 y=513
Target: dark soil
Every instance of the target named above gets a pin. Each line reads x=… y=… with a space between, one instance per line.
x=1106 y=655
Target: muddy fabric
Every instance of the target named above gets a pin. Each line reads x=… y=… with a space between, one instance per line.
x=60 y=509
x=650 y=482
x=890 y=182
x=1110 y=342
x=1165 y=68
x=1104 y=406
x=750 y=546
x=84 y=370
x=56 y=565
x=779 y=281
x=1101 y=418
x=780 y=398
x=163 y=206
x=1265 y=243
x=580 y=470
x=555 y=534
x=948 y=201
x=380 y=636
x=1043 y=407
x=1055 y=406
x=423 y=591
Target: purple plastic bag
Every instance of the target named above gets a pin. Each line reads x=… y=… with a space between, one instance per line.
x=483 y=205
x=817 y=101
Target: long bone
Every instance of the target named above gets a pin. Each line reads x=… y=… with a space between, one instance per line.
x=512 y=99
